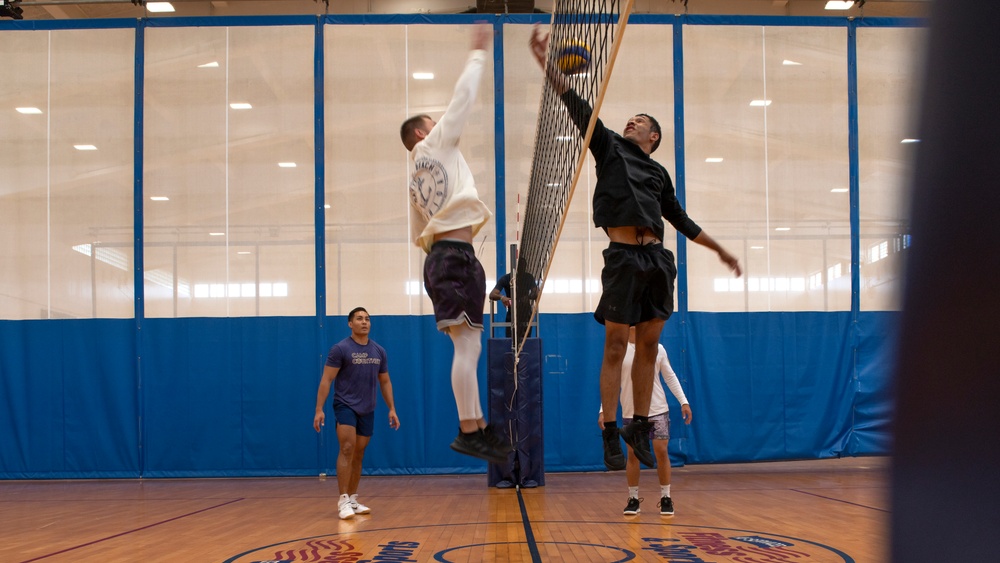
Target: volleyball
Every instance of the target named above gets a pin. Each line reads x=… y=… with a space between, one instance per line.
x=573 y=57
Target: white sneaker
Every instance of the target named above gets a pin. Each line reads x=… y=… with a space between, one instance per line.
x=346 y=512
x=359 y=508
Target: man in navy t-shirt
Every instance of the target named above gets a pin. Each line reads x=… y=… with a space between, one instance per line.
x=356 y=366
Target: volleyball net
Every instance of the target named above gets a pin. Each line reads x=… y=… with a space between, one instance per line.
x=560 y=146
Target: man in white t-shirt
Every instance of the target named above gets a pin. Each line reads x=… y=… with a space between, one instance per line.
x=659 y=416
x=445 y=213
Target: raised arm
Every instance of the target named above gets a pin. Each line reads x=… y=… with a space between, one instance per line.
x=449 y=129
x=539 y=48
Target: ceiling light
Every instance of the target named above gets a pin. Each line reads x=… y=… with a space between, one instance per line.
x=760 y=103
x=217 y=234
x=85 y=147
x=213 y=64
x=564 y=138
x=159 y=6
x=787 y=62
x=287 y=164
x=423 y=76
x=327 y=206
x=782 y=228
x=159 y=198
x=243 y=252
x=756 y=248
x=839 y=4
x=839 y=190
x=907 y=141
x=713 y=159
x=28 y=110
x=240 y=105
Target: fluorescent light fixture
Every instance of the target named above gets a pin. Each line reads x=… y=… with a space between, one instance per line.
x=217 y=234
x=159 y=198
x=423 y=76
x=159 y=6
x=213 y=64
x=553 y=185
x=287 y=164
x=756 y=248
x=759 y=103
x=713 y=159
x=85 y=147
x=787 y=62
x=839 y=4
x=564 y=138
x=28 y=110
x=839 y=190
x=782 y=228
x=908 y=141
x=240 y=105
x=327 y=206
x=243 y=252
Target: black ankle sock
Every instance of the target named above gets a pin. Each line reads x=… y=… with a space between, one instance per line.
x=638 y=418
x=611 y=425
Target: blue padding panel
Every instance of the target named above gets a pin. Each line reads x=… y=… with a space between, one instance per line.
x=68 y=399
x=235 y=397
x=873 y=404
x=571 y=366
x=230 y=397
x=769 y=385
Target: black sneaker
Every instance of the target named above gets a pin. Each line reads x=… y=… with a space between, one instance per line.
x=496 y=439
x=632 y=508
x=614 y=459
x=636 y=434
x=666 y=506
x=478 y=445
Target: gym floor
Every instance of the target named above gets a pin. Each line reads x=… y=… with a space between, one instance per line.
x=834 y=510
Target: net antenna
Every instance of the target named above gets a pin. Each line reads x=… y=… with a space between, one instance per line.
x=560 y=147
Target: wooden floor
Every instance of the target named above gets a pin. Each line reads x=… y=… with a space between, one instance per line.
x=803 y=511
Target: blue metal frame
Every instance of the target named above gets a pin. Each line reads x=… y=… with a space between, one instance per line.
x=138 y=228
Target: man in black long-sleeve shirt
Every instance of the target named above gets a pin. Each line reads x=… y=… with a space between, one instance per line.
x=633 y=192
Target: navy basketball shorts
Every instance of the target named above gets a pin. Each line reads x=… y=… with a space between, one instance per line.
x=456 y=283
x=638 y=284
x=363 y=423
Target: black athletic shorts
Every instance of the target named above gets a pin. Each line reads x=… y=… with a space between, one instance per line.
x=638 y=284
x=456 y=283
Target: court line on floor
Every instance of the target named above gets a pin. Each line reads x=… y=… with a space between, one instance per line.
x=840 y=500
x=529 y=536
x=130 y=531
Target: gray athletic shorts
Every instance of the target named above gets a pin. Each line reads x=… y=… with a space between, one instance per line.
x=661 y=426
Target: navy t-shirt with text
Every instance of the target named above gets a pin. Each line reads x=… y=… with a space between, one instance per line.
x=357 y=381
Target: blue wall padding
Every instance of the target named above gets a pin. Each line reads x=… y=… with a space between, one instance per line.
x=769 y=386
x=873 y=405
x=68 y=399
x=226 y=397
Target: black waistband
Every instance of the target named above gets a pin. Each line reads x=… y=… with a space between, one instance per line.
x=456 y=244
x=649 y=247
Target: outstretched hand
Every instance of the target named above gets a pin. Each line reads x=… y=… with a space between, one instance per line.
x=539 y=45
x=731 y=261
x=481 y=33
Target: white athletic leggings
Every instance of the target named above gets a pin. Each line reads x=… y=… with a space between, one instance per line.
x=464 y=382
